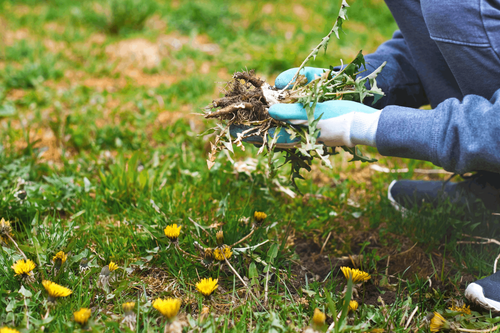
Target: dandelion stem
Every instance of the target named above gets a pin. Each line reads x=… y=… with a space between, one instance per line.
x=45 y=317
x=13 y=241
x=184 y=252
x=336 y=26
x=411 y=317
x=199 y=226
x=26 y=314
x=471 y=330
x=244 y=238
x=266 y=287
x=244 y=283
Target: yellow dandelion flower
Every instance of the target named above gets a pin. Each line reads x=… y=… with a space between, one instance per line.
x=464 y=309
x=222 y=252
x=129 y=306
x=259 y=216
x=172 y=232
x=8 y=330
x=24 y=267
x=168 y=307
x=82 y=316
x=207 y=286
x=220 y=237
x=59 y=259
x=60 y=256
x=54 y=290
x=438 y=323
x=357 y=275
x=112 y=266
x=5 y=227
x=318 y=318
x=353 y=305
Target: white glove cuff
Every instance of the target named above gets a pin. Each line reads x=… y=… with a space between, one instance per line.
x=364 y=128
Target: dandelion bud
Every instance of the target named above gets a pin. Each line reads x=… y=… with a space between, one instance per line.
x=84 y=264
x=59 y=259
x=129 y=318
x=318 y=318
x=208 y=253
x=220 y=237
x=353 y=305
x=5 y=227
x=22 y=194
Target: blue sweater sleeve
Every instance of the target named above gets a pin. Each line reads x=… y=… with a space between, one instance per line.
x=399 y=79
x=460 y=136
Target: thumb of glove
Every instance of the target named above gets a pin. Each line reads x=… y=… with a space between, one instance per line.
x=284 y=78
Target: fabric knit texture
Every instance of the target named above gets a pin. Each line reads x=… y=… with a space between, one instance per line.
x=445 y=54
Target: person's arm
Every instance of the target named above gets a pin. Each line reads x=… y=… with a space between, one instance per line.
x=460 y=136
x=399 y=80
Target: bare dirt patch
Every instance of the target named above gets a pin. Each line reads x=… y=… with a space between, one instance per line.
x=55 y=47
x=15 y=94
x=139 y=53
x=167 y=118
x=97 y=38
x=10 y=37
x=154 y=80
x=175 y=42
x=155 y=22
x=408 y=262
x=105 y=83
x=45 y=140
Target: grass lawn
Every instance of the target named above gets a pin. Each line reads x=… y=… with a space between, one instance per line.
x=102 y=153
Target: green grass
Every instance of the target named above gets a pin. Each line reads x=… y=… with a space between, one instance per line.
x=99 y=154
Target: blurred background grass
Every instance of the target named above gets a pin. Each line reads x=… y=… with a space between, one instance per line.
x=99 y=107
x=84 y=86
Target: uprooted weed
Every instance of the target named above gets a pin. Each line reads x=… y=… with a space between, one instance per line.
x=243 y=100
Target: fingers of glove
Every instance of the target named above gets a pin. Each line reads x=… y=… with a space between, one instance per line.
x=283 y=141
x=333 y=131
x=336 y=131
x=237 y=130
x=284 y=78
x=330 y=109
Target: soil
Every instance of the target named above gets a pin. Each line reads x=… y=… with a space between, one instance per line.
x=408 y=263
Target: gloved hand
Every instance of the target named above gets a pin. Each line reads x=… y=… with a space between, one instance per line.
x=343 y=123
x=309 y=72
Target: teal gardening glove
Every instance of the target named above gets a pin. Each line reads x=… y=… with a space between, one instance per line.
x=342 y=123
